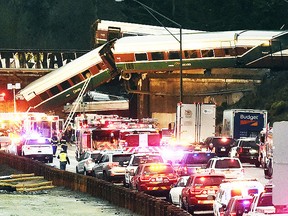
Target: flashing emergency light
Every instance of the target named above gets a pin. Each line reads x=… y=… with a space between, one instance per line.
x=224 y=139
x=202 y=178
x=157 y=167
x=246 y=202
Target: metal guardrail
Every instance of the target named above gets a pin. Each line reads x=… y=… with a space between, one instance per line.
x=137 y=202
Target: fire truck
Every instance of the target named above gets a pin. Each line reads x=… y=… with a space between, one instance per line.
x=20 y=125
x=111 y=132
x=28 y=123
x=265 y=142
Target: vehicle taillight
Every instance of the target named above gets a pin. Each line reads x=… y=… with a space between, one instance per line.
x=172 y=177
x=113 y=164
x=240 y=150
x=185 y=170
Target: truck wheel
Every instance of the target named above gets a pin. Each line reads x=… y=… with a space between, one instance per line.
x=268 y=171
x=257 y=163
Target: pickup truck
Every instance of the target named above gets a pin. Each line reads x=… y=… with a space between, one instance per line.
x=38 y=149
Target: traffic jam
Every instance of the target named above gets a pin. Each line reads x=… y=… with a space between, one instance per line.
x=208 y=176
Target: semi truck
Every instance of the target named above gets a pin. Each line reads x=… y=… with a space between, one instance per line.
x=240 y=123
x=195 y=122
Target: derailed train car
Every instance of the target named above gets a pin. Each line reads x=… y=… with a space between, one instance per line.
x=64 y=84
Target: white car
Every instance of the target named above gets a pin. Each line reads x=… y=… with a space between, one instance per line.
x=39 y=148
x=135 y=160
x=175 y=192
x=235 y=187
x=230 y=167
x=87 y=161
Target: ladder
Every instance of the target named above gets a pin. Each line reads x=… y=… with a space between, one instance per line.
x=76 y=104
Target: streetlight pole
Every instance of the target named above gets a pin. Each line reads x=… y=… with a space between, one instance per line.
x=13 y=87
x=150 y=10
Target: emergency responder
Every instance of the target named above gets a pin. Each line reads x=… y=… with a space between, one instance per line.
x=63 y=159
x=211 y=148
x=63 y=142
x=54 y=142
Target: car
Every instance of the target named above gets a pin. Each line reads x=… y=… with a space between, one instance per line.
x=87 y=161
x=111 y=166
x=37 y=148
x=247 y=151
x=154 y=178
x=235 y=187
x=238 y=205
x=139 y=158
x=199 y=192
x=220 y=145
x=192 y=162
x=262 y=203
x=176 y=190
x=230 y=167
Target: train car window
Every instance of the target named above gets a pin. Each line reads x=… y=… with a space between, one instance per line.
x=207 y=53
x=242 y=50
x=113 y=32
x=44 y=96
x=173 y=55
x=157 y=56
x=86 y=74
x=190 y=54
x=65 y=85
x=141 y=56
x=129 y=34
x=76 y=79
x=55 y=90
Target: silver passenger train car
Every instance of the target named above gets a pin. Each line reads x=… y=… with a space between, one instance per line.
x=64 y=84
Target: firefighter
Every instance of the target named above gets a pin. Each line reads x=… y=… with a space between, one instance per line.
x=63 y=142
x=63 y=159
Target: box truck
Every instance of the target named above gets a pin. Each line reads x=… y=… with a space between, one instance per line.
x=239 y=123
x=195 y=122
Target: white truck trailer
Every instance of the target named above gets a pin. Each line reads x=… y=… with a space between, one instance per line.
x=195 y=122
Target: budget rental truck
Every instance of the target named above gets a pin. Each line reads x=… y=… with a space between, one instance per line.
x=240 y=123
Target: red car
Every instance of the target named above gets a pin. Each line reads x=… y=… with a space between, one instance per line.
x=154 y=178
x=200 y=191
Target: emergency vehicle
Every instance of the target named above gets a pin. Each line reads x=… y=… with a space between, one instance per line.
x=20 y=125
x=265 y=142
x=28 y=123
x=111 y=132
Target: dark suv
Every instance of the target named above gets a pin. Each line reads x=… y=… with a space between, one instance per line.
x=191 y=162
x=247 y=151
x=221 y=145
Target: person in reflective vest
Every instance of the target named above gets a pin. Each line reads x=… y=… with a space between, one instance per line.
x=63 y=159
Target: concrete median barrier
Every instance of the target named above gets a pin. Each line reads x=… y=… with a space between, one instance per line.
x=137 y=202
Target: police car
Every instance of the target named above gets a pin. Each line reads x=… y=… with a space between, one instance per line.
x=235 y=187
